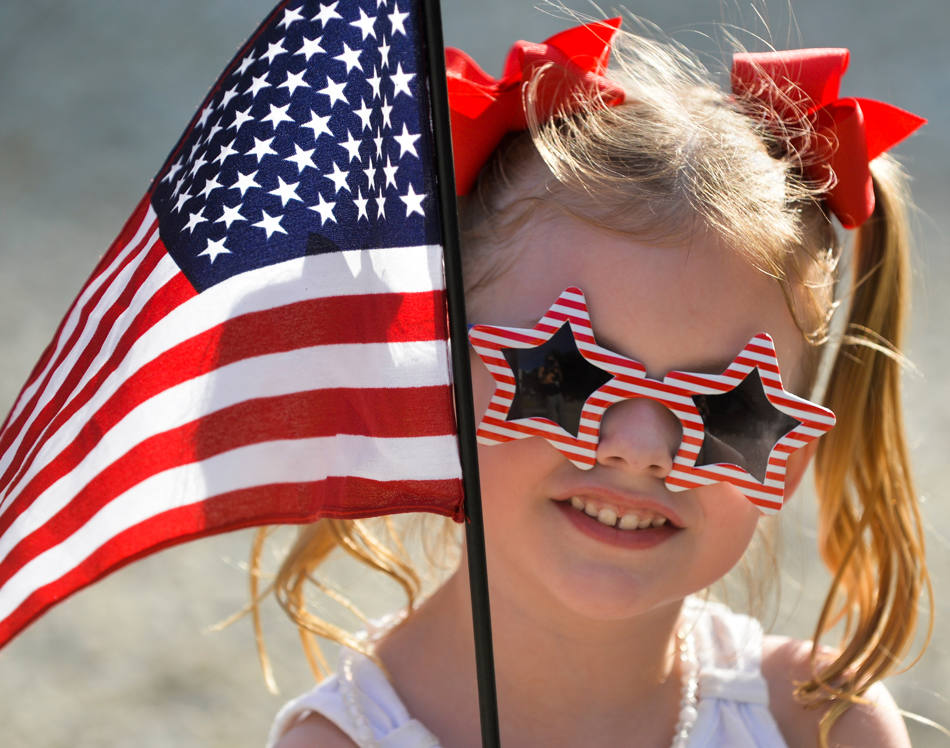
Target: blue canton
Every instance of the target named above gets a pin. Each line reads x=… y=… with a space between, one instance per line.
x=317 y=138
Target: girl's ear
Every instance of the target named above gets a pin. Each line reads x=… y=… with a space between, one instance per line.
x=797 y=465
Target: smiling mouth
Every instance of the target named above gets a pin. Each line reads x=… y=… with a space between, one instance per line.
x=628 y=520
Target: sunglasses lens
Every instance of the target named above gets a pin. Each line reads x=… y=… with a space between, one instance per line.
x=553 y=381
x=742 y=427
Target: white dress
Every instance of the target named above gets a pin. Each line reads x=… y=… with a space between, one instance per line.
x=733 y=707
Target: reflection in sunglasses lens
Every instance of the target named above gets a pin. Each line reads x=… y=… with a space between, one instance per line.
x=553 y=380
x=742 y=426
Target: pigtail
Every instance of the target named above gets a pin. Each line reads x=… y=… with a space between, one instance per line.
x=870 y=529
x=375 y=544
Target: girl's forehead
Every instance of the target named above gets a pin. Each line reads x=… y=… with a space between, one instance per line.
x=692 y=306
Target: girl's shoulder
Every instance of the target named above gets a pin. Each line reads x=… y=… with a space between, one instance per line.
x=356 y=706
x=314 y=731
x=876 y=723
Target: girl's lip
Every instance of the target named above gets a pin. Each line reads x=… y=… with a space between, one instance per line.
x=623 y=501
x=629 y=539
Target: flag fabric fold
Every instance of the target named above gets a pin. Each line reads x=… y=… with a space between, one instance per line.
x=266 y=340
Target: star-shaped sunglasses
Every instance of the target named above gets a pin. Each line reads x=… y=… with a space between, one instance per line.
x=555 y=382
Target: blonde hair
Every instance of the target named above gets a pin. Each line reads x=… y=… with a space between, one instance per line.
x=680 y=158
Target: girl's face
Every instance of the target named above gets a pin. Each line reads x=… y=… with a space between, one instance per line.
x=691 y=308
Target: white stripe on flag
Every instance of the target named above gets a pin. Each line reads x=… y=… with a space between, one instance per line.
x=75 y=311
x=405 y=270
x=377 y=365
x=165 y=270
x=288 y=461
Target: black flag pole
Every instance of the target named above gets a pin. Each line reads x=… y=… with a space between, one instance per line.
x=458 y=332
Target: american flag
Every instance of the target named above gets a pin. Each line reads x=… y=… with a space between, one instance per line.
x=266 y=339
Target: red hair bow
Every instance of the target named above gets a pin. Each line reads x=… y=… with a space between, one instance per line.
x=851 y=132
x=483 y=110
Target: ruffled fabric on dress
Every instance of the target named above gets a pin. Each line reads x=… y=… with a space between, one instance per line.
x=733 y=707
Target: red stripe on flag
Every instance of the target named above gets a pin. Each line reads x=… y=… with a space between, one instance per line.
x=128 y=231
x=287 y=502
x=405 y=412
x=381 y=318
x=102 y=327
x=66 y=402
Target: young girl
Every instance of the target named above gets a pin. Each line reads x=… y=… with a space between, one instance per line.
x=686 y=220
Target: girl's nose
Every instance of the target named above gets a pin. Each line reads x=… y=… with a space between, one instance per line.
x=639 y=435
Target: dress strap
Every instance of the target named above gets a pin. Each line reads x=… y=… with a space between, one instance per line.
x=362 y=703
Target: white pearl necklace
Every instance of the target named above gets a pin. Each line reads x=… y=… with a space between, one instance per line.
x=689 y=700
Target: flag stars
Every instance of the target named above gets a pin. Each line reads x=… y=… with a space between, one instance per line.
x=380 y=201
x=172 y=171
x=325 y=209
x=262 y=148
x=196 y=166
x=290 y=16
x=302 y=158
x=214 y=130
x=245 y=182
x=378 y=142
x=370 y=172
x=350 y=57
x=319 y=124
x=352 y=146
x=240 y=117
x=245 y=64
x=387 y=111
x=374 y=83
x=390 y=171
x=407 y=142
x=214 y=248
x=397 y=21
x=273 y=50
x=277 y=115
x=294 y=81
x=364 y=113
x=194 y=219
x=401 y=81
x=365 y=24
x=338 y=177
x=259 y=82
x=413 y=202
x=327 y=13
x=229 y=216
x=286 y=192
x=334 y=91
x=360 y=203
x=226 y=150
x=384 y=54
x=226 y=98
x=210 y=185
x=179 y=184
x=270 y=224
x=183 y=198
x=205 y=113
x=311 y=47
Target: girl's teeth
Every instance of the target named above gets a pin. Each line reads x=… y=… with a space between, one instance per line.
x=609 y=517
x=629 y=522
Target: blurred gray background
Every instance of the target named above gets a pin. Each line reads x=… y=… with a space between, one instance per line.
x=94 y=93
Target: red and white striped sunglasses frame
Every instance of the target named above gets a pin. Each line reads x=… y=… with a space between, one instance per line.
x=629 y=380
